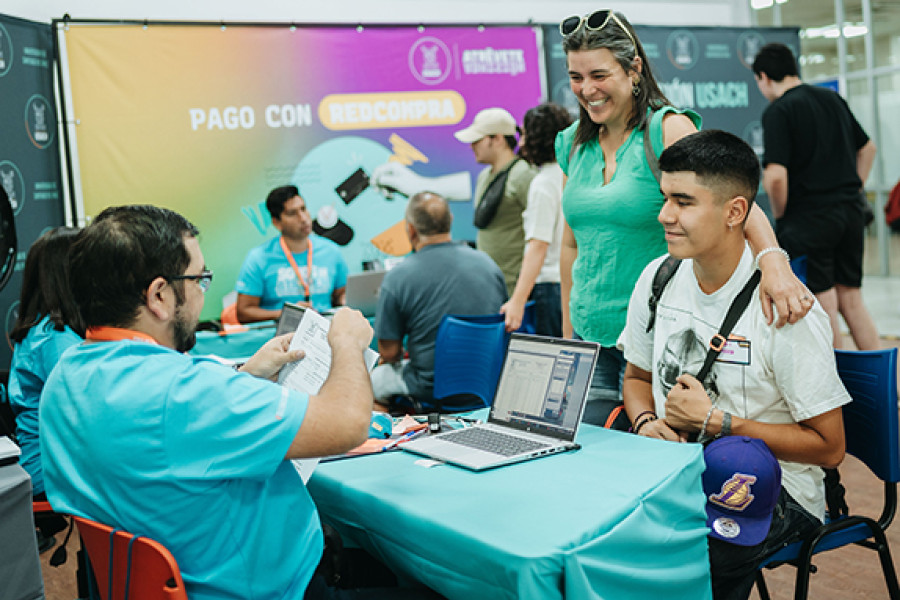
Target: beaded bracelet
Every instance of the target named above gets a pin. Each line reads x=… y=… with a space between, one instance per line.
x=644 y=422
x=769 y=250
x=706 y=422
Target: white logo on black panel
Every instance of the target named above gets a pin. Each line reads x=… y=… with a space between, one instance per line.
x=39 y=121
x=6 y=51
x=748 y=46
x=682 y=48
x=13 y=184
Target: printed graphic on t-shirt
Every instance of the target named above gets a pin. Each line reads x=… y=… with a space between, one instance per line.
x=684 y=352
x=287 y=284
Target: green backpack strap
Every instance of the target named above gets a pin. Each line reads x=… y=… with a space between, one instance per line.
x=652 y=158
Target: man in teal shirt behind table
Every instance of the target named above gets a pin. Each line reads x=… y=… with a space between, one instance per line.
x=186 y=451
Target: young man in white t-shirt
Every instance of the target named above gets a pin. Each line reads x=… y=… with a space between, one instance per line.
x=778 y=385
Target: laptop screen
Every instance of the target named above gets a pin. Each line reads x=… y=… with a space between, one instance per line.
x=543 y=386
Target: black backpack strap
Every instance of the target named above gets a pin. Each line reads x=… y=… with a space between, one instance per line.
x=734 y=313
x=661 y=279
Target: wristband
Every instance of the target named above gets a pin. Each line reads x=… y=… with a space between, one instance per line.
x=726 y=425
x=769 y=250
x=644 y=422
x=646 y=412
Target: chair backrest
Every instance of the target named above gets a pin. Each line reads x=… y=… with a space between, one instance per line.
x=144 y=566
x=468 y=356
x=529 y=319
x=871 y=419
x=798 y=265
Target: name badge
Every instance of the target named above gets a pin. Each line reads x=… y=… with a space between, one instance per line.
x=735 y=352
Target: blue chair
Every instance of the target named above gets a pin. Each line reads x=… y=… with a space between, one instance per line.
x=468 y=356
x=529 y=319
x=871 y=430
x=798 y=265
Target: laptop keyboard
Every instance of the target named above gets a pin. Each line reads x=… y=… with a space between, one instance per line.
x=493 y=441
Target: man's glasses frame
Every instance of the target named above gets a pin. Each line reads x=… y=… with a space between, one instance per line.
x=595 y=21
x=204 y=279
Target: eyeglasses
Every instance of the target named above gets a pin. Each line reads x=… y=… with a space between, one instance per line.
x=595 y=21
x=204 y=279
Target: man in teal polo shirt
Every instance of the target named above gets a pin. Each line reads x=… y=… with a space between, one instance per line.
x=297 y=266
x=193 y=454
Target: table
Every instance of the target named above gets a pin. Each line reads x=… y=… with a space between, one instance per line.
x=20 y=567
x=242 y=344
x=237 y=345
x=621 y=518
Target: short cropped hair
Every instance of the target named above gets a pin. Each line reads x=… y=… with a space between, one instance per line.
x=776 y=61
x=429 y=213
x=721 y=160
x=117 y=256
x=277 y=197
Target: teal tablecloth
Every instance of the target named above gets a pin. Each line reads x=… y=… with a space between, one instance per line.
x=237 y=346
x=621 y=518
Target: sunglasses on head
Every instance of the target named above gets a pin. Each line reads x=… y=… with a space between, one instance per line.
x=595 y=21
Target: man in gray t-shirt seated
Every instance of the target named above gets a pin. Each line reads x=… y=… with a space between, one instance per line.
x=441 y=277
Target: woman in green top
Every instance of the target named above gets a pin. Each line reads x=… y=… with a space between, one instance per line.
x=611 y=198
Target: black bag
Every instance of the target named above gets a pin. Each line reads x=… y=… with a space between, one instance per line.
x=492 y=197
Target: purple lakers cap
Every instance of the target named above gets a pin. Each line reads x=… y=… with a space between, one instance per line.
x=742 y=483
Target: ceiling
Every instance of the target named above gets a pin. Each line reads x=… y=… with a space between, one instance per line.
x=820 y=54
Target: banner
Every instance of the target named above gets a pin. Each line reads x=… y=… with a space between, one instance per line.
x=206 y=120
x=707 y=69
x=29 y=151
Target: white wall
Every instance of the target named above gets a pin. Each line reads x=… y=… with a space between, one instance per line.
x=646 y=12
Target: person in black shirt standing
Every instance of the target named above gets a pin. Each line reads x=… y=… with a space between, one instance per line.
x=817 y=158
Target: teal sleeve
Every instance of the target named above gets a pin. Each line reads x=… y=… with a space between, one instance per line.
x=563 y=146
x=656 y=130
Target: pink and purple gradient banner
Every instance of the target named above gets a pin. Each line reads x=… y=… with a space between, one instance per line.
x=206 y=120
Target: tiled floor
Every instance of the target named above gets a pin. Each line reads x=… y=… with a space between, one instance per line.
x=882 y=298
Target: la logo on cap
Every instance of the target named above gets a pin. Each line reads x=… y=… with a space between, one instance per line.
x=736 y=493
x=742 y=484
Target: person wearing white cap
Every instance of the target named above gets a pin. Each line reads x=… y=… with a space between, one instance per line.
x=501 y=192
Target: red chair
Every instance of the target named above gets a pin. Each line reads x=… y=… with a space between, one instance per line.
x=134 y=568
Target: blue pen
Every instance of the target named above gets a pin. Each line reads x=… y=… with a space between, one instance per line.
x=404 y=438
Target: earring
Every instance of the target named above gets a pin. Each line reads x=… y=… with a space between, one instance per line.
x=635 y=89
x=731 y=227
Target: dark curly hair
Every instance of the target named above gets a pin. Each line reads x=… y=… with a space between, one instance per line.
x=540 y=126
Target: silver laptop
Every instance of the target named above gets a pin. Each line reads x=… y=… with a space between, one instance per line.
x=538 y=406
x=362 y=291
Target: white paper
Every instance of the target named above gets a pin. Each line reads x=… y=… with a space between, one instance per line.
x=309 y=373
x=8 y=449
x=305 y=466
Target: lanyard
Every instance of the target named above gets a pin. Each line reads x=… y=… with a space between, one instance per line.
x=115 y=334
x=309 y=264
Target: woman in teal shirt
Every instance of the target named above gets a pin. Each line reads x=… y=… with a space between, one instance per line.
x=611 y=198
x=48 y=324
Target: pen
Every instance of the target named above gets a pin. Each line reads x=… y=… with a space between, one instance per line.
x=404 y=438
